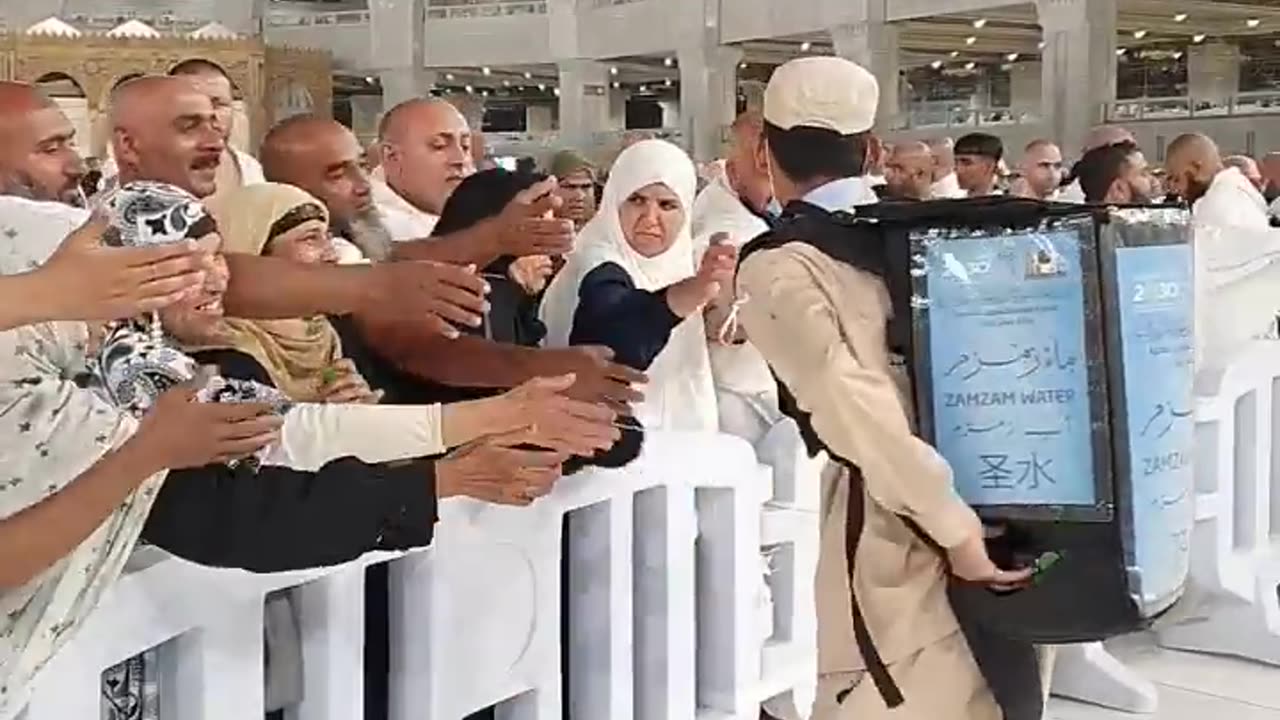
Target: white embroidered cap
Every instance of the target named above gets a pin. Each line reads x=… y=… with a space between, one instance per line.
x=828 y=93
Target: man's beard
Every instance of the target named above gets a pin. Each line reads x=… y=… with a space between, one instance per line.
x=367 y=232
x=1196 y=189
x=20 y=184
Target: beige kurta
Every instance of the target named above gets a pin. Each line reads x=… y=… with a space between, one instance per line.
x=821 y=324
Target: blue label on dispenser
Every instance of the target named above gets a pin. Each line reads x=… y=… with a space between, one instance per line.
x=1009 y=368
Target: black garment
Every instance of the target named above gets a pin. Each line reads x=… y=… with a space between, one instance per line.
x=1009 y=665
x=513 y=312
x=635 y=324
x=272 y=519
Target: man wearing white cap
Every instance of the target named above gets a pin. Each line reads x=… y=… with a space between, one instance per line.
x=889 y=646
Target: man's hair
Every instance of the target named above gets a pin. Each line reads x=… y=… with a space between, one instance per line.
x=196 y=67
x=982 y=145
x=806 y=153
x=1100 y=167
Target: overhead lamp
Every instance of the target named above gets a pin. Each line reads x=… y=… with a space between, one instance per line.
x=485 y=71
x=971 y=40
x=506 y=83
x=668 y=82
x=1139 y=34
x=542 y=87
x=1180 y=17
x=616 y=85
x=955 y=53
x=979 y=23
x=613 y=70
x=448 y=76
x=936 y=64
x=970 y=65
x=1253 y=22
x=742 y=66
x=528 y=75
x=557 y=92
x=484 y=93
x=1198 y=38
x=804 y=46
x=1012 y=57
x=469 y=89
x=1042 y=44
x=1121 y=51
x=668 y=61
x=1177 y=55
x=370 y=79
x=644 y=89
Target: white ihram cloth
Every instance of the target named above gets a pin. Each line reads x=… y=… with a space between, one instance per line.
x=402 y=219
x=680 y=394
x=947 y=188
x=746 y=393
x=1232 y=201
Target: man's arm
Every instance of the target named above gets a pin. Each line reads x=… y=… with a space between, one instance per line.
x=855 y=409
x=477 y=245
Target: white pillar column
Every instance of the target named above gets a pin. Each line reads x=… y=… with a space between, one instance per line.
x=618 y=108
x=873 y=42
x=670 y=113
x=584 y=101
x=397 y=33
x=366 y=113
x=1026 y=84
x=754 y=92
x=708 y=97
x=1213 y=72
x=538 y=118
x=1078 y=68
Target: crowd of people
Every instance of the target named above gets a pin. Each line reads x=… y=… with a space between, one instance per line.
x=288 y=361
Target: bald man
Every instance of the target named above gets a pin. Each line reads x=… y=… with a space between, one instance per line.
x=1220 y=196
x=946 y=185
x=38 y=158
x=236 y=168
x=909 y=172
x=426 y=151
x=166 y=130
x=1041 y=169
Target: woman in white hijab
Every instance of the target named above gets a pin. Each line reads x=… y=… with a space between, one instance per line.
x=633 y=286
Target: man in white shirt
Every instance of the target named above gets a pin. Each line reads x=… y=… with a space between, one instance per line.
x=1041 y=171
x=732 y=204
x=977 y=159
x=426 y=152
x=946 y=186
x=1220 y=196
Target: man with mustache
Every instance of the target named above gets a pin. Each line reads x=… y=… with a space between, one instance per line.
x=236 y=168
x=38 y=161
x=1220 y=196
x=1116 y=175
x=323 y=158
x=426 y=151
x=164 y=129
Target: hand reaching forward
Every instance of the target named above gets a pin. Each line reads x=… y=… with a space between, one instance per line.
x=715 y=273
x=597 y=379
x=970 y=561
x=182 y=432
x=84 y=280
x=553 y=420
x=494 y=470
x=440 y=294
x=526 y=227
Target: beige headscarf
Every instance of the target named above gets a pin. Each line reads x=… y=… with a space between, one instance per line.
x=295 y=353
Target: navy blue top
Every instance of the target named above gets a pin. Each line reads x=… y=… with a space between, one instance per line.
x=634 y=323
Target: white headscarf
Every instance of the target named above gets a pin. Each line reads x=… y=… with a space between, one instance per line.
x=52 y=430
x=680 y=394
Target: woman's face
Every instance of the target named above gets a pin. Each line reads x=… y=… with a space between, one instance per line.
x=198 y=319
x=307 y=243
x=651 y=219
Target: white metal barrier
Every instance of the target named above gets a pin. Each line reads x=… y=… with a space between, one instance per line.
x=1234 y=605
x=664 y=578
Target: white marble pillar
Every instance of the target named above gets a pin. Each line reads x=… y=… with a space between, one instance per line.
x=708 y=97
x=618 y=108
x=366 y=113
x=1026 y=84
x=397 y=33
x=754 y=92
x=1079 y=66
x=670 y=113
x=538 y=118
x=873 y=42
x=1213 y=72
x=584 y=101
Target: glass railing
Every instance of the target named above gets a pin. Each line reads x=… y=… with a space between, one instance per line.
x=1172 y=108
x=339 y=17
x=443 y=10
x=943 y=115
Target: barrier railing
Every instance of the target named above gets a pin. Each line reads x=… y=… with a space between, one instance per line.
x=665 y=598
x=1171 y=108
x=339 y=17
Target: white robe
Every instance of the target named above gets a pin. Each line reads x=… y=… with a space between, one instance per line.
x=402 y=219
x=947 y=188
x=1232 y=201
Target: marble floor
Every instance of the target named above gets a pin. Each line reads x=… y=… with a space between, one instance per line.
x=1192 y=687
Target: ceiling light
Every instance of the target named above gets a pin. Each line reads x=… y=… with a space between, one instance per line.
x=370 y=79
x=528 y=75
x=668 y=61
x=971 y=40
x=1121 y=51
x=1253 y=22
x=469 y=89
x=485 y=71
x=644 y=89
x=484 y=93
x=980 y=23
x=1177 y=55
x=742 y=66
x=970 y=65
x=542 y=87
x=1042 y=45
x=955 y=53
x=804 y=46
x=1180 y=17
x=936 y=64
x=506 y=83
x=448 y=76
x=557 y=92
x=1197 y=39
x=613 y=70
x=1139 y=34
x=667 y=82
x=617 y=85
x=1012 y=57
